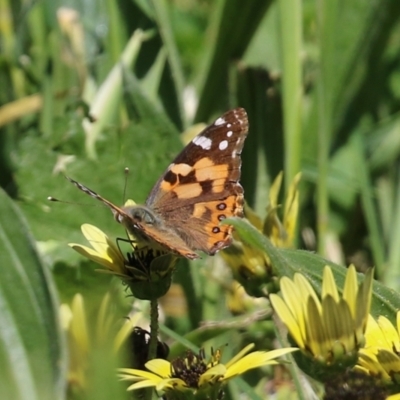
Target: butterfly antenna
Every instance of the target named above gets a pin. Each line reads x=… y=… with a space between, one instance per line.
x=126 y=172
x=55 y=200
x=84 y=189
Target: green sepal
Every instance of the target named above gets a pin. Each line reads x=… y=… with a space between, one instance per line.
x=208 y=392
x=154 y=282
x=322 y=371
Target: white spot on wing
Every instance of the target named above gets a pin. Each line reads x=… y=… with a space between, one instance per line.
x=229 y=133
x=234 y=153
x=203 y=142
x=223 y=145
x=228 y=125
x=219 y=121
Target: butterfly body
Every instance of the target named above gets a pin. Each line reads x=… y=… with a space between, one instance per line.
x=198 y=190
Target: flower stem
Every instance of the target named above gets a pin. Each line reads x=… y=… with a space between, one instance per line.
x=153 y=329
x=153 y=338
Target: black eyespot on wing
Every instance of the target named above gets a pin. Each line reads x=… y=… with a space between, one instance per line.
x=221 y=206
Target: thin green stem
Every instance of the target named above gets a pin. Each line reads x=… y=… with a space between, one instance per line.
x=369 y=208
x=326 y=23
x=153 y=329
x=153 y=339
x=290 y=23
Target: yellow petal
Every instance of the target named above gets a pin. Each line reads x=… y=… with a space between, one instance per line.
x=351 y=288
x=374 y=336
x=287 y=318
x=240 y=355
x=291 y=210
x=394 y=397
x=389 y=361
x=398 y=321
x=213 y=374
x=329 y=285
x=274 y=191
x=315 y=332
x=135 y=374
x=390 y=333
x=78 y=326
x=160 y=367
x=306 y=291
x=255 y=360
x=293 y=298
x=125 y=330
x=142 y=384
x=92 y=255
x=368 y=362
x=364 y=298
x=101 y=242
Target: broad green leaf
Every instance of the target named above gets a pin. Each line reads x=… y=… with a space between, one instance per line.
x=32 y=354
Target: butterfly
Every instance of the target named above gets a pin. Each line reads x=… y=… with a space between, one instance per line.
x=199 y=189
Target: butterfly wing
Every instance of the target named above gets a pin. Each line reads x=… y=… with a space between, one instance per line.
x=201 y=186
x=141 y=222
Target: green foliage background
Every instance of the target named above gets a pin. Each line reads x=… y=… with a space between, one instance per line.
x=320 y=81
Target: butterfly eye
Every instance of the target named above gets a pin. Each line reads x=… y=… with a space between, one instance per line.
x=142 y=215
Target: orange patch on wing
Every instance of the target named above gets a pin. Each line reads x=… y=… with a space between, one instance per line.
x=204 y=162
x=181 y=169
x=218 y=185
x=165 y=185
x=188 y=191
x=199 y=210
x=206 y=170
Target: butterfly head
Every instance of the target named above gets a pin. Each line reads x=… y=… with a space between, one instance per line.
x=140 y=214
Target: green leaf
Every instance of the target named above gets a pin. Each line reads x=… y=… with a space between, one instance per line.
x=32 y=358
x=285 y=262
x=233 y=25
x=164 y=24
x=104 y=105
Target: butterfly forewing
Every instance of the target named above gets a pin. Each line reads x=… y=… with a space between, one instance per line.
x=210 y=160
x=201 y=187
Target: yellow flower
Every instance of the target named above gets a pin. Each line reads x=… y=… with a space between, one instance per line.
x=104 y=251
x=82 y=339
x=250 y=266
x=143 y=264
x=380 y=356
x=329 y=331
x=194 y=377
